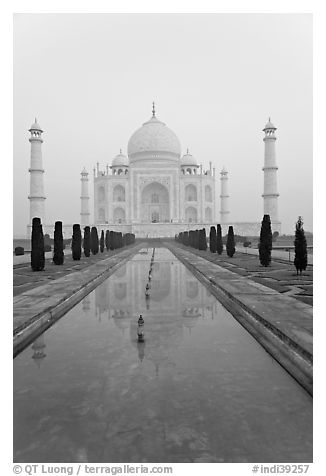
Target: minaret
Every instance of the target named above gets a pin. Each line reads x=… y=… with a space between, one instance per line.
x=270 y=194
x=36 y=194
x=224 y=197
x=84 y=199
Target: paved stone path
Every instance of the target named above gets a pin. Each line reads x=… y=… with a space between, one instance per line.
x=280 y=275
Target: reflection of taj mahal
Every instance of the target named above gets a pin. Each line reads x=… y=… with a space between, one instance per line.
x=154 y=188
x=174 y=291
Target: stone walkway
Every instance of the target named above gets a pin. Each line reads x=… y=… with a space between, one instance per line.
x=280 y=275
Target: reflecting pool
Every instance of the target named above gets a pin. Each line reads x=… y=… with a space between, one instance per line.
x=199 y=389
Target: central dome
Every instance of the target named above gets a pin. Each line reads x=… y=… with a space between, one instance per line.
x=154 y=138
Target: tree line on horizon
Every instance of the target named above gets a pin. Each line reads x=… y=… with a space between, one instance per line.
x=92 y=244
x=197 y=239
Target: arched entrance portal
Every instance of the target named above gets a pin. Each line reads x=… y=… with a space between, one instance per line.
x=155 y=204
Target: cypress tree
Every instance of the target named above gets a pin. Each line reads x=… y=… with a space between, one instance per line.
x=265 y=241
x=58 y=255
x=87 y=241
x=192 y=238
x=111 y=240
x=230 y=245
x=102 y=241
x=212 y=239
x=202 y=240
x=107 y=240
x=76 y=242
x=94 y=240
x=37 y=254
x=115 y=240
x=300 y=247
x=197 y=239
x=120 y=242
x=219 y=242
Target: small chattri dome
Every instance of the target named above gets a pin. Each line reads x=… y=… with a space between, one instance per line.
x=188 y=159
x=269 y=125
x=35 y=126
x=120 y=160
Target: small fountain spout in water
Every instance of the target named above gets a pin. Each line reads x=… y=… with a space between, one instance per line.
x=140 y=329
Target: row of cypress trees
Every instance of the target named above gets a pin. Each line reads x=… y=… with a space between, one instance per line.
x=197 y=239
x=90 y=243
x=194 y=238
x=216 y=242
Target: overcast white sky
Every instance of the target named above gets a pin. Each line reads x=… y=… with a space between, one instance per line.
x=90 y=80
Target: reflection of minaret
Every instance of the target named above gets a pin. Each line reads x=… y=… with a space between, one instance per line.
x=86 y=303
x=38 y=348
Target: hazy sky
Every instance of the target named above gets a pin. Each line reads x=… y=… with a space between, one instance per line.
x=90 y=80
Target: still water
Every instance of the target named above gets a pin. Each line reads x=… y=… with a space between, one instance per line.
x=199 y=389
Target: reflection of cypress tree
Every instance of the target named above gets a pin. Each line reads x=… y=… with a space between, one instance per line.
x=87 y=241
x=107 y=240
x=102 y=241
x=37 y=253
x=219 y=242
x=212 y=239
x=265 y=241
x=300 y=247
x=230 y=245
x=76 y=242
x=94 y=240
x=58 y=255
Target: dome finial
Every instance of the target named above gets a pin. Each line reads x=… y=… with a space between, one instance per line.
x=153 y=110
x=187 y=151
x=120 y=151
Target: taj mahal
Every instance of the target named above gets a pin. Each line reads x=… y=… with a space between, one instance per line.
x=154 y=190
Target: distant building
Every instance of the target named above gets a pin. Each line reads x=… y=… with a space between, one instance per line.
x=154 y=190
